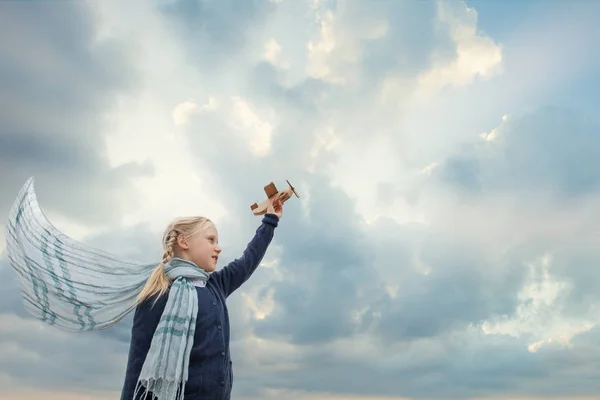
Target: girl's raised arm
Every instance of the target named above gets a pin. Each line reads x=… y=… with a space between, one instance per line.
x=238 y=271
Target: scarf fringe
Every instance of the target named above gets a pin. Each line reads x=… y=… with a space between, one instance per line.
x=159 y=389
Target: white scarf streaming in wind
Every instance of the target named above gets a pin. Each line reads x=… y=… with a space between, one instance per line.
x=67 y=284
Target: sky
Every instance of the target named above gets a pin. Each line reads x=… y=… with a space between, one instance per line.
x=445 y=242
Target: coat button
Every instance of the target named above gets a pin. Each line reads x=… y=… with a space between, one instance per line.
x=223 y=353
x=219 y=327
x=214 y=303
x=222 y=383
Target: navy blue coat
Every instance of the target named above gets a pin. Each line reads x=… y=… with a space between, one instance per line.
x=210 y=369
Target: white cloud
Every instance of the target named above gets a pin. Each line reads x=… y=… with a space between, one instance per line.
x=252 y=126
x=334 y=53
x=273 y=54
x=539 y=314
x=476 y=54
x=319 y=50
x=430 y=168
x=143 y=127
x=494 y=134
x=376 y=158
x=362 y=168
x=326 y=140
x=176 y=189
x=182 y=112
x=306 y=202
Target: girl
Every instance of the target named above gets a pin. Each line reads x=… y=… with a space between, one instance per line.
x=192 y=245
x=180 y=336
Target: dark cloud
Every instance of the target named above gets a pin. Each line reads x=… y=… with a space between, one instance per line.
x=455 y=286
x=216 y=32
x=36 y=355
x=326 y=267
x=57 y=82
x=10 y=294
x=552 y=150
x=543 y=161
x=224 y=24
x=393 y=52
x=461 y=365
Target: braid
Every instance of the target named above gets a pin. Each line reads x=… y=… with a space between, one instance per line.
x=169 y=245
x=158 y=283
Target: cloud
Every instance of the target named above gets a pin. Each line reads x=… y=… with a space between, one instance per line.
x=57 y=85
x=463 y=364
x=215 y=34
x=530 y=179
x=475 y=54
x=86 y=361
x=551 y=150
x=423 y=260
x=342 y=279
x=339 y=275
x=273 y=54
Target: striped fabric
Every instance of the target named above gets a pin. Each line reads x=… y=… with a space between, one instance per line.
x=76 y=287
x=165 y=370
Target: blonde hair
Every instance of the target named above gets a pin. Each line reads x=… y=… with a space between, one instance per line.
x=158 y=282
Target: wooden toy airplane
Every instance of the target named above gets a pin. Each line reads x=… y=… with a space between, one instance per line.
x=273 y=193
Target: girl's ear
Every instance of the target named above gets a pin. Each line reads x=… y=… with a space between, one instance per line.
x=182 y=242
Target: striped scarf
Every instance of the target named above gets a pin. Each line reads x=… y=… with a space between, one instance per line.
x=67 y=284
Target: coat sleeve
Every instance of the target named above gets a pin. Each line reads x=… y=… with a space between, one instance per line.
x=145 y=320
x=232 y=276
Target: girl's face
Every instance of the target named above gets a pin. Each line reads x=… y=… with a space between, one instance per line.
x=202 y=249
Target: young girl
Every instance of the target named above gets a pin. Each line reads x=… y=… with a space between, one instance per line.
x=192 y=245
x=180 y=335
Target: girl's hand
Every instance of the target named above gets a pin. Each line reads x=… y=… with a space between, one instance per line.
x=275 y=207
